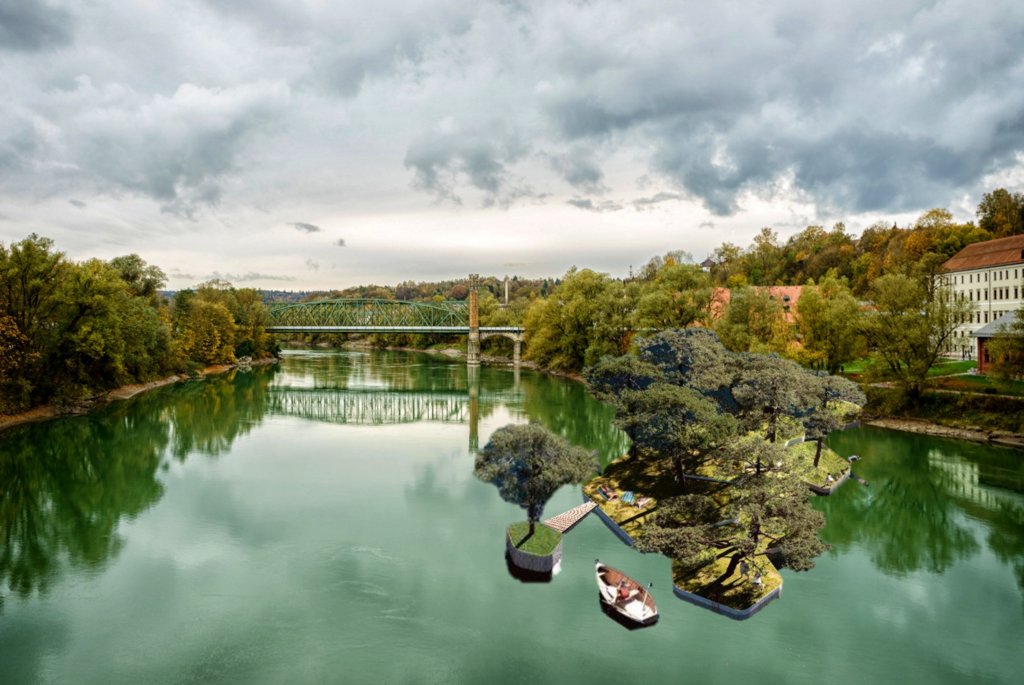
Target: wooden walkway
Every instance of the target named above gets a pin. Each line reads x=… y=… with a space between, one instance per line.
x=563 y=523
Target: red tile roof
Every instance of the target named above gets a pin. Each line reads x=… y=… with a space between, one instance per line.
x=989 y=253
x=789 y=294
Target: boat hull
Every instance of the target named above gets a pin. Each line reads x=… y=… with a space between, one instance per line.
x=639 y=609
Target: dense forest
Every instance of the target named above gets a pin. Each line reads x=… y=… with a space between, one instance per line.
x=70 y=330
x=917 y=250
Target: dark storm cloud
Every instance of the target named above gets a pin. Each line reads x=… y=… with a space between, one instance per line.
x=306 y=228
x=902 y=113
x=852 y=106
x=29 y=25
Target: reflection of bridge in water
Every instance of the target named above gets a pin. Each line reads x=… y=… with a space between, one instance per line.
x=373 y=407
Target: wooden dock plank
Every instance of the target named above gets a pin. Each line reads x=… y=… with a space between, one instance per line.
x=568 y=520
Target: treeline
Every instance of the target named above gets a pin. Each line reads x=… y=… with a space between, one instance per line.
x=69 y=330
x=917 y=250
x=521 y=292
x=909 y=325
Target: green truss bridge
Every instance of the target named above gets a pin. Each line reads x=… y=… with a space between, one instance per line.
x=356 y=315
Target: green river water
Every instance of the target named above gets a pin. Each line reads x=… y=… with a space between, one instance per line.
x=318 y=521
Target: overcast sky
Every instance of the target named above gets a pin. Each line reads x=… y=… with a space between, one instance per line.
x=312 y=144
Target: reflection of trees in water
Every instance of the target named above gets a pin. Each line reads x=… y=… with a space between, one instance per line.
x=565 y=408
x=208 y=416
x=914 y=515
x=379 y=369
x=1006 y=539
x=63 y=492
x=65 y=485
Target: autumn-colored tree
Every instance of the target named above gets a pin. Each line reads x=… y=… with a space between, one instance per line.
x=1001 y=213
x=209 y=335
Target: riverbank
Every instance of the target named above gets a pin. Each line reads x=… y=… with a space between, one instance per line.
x=973 y=417
x=972 y=434
x=47 y=412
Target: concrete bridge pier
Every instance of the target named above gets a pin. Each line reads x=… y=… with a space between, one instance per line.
x=517 y=351
x=473 y=344
x=473 y=387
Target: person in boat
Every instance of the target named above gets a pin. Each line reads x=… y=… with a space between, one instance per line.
x=623 y=593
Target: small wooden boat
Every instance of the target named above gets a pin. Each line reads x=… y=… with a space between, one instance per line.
x=633 y=604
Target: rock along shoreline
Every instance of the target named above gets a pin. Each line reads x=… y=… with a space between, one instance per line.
x=47 y=412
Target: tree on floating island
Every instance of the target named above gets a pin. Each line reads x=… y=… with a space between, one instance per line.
x=529 y=463
x=731 y=492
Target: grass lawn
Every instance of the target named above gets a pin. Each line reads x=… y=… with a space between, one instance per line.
x=942 y=368
x=981 y=384
x=735 y=591
x=542 y=543
x=950 y=368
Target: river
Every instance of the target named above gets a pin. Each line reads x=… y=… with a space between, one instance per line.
x=318 y=521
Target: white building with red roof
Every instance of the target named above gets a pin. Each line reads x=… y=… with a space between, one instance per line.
x=991 y=275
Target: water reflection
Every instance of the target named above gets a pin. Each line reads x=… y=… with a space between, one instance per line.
x=931 y=504
x=381 y=388
x=65 y=485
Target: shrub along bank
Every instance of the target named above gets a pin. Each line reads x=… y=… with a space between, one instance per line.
x=954 y=410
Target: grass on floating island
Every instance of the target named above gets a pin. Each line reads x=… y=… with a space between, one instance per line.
x=734 y=591
x=542 y=543
x=830 y=462
x=650 y=478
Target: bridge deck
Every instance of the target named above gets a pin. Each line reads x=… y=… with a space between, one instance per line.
x=565 y=522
